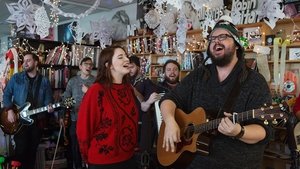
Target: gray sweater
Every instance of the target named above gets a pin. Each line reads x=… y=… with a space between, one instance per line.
x=74 y=90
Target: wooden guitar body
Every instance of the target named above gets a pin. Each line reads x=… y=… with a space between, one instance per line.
x=12 y=128
x=194 y=124
x=185 y=149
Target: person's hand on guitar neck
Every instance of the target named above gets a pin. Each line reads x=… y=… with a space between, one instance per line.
x=249 y=134
x=11 y=117
x=228 y=128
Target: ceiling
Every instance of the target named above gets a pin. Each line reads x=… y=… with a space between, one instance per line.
x=72 y=6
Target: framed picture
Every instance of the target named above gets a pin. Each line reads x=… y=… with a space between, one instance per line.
x=269 y=40
x=65 y=34
x=253 y=34
x=294 y=54
x=296 y=36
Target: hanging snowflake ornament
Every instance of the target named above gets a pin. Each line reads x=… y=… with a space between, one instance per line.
x=152 y=18
x=42 y=22
x=160 y=31
x=22 y=14
x=77 y=31
x=181 y=32
x=168 y=19
x=270 y=9
x=102 y=31
x=198 y=4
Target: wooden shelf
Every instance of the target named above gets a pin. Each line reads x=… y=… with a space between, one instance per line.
x=140 y=36
x=260 y=24
x=287 y=61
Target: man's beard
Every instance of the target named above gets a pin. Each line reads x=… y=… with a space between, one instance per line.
x=29 y=69
x=168 y=80
x=222 y=61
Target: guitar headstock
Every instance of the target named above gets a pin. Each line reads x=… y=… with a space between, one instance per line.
x=69 y=102
x=277 y=111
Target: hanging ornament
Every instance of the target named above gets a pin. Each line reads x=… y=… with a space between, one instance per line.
x=181 y=32
x=77 y=31
x=54 y=17
x=152 y=18
x=22 y=14
x=42 y=22
x=270 y=9
x=102 y=31
x=72 y=15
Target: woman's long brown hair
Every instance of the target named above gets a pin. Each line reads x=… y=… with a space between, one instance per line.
x=104 y=73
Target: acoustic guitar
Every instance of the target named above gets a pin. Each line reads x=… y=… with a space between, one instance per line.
x=193 y=124
x=23 y=115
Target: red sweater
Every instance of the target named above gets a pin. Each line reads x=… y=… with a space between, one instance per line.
x=297 y=105
x=107 y=124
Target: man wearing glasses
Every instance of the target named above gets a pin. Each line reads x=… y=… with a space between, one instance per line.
x=222 y=88
x=76 y=88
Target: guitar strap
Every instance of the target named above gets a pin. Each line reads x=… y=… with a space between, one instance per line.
x=231 y=98
x=36 y=91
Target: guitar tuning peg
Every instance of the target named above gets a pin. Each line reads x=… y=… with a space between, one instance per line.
x=266 y=122
x=274 y=121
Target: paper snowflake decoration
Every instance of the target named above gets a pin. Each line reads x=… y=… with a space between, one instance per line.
x=22 y=14
x=152 y=18
x=42 y=22
x=76 y=30
x=102 y=31
x=271 y=9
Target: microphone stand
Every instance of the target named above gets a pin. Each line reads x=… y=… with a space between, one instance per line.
x=57 y=142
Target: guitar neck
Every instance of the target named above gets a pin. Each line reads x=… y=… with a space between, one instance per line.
x=213 y=124
x=42 y=109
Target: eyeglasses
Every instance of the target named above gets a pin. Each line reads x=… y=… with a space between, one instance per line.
x=88 y=64
x=220 y=37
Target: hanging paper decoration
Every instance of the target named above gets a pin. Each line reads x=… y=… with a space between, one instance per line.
x=181 y=32
x=22 y=14
x=102 y=31
x=168 y=21
x=270 y=9
x=73 y=15
x=42 y=22
x=152 y=19
x=77 y=31
x=160 y=31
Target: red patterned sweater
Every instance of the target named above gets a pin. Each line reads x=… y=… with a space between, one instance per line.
x=107 y=124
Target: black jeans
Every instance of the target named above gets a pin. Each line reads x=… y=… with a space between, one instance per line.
x=74 y=146
x=27 y=141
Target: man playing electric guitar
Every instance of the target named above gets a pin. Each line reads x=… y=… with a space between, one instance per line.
x=27 y=86
x=221 y=88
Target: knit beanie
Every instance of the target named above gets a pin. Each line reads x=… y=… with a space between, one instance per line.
x=230 y=27
x=136 y=60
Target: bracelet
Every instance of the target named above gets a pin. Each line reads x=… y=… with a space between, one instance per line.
x=241 y=133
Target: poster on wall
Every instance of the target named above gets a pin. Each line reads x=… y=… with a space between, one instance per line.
x=64 y=33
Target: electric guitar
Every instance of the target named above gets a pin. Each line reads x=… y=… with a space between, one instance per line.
x=193 y=124
x=23 y=115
